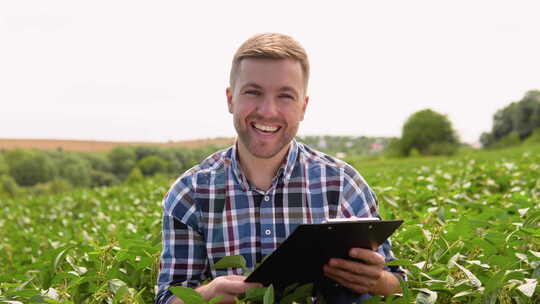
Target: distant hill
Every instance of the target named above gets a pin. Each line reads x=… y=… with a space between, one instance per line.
x=340 y=146
x=89 y=146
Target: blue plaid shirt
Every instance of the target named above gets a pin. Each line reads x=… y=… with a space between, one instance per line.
x=212 y=211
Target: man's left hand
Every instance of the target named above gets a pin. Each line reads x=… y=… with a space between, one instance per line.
x=364 y=275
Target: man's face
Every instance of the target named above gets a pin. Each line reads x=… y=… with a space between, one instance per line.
x=268 y=101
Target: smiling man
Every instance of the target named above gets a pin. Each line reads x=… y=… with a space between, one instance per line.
x=246 y=200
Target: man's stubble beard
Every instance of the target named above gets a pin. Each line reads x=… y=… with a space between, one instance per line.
x=254 y=149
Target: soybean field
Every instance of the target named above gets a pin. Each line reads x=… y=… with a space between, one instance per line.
x=471 y=234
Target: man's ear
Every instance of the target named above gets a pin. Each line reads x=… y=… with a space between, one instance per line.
x=304 y=107
x=229 y=94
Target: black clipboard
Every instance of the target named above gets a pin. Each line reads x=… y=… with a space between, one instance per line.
x=301 y=257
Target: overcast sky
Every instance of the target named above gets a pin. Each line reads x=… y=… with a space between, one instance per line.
x=157 y=70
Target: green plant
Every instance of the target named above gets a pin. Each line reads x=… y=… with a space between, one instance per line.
x=471 y=233
x=30 y=167
x=428 y=132
x=153 y=164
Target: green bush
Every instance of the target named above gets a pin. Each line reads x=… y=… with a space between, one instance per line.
x=4 y=168
x=427 y=128
x=153 y=164
x=394 y=148
x=99 y=178
x=98 y=162
x=145 y=151
x=75 y=169
x=29 y=168
x=9 y=186
x=510 y=140
x=135 y=176
x=534 y=138
x=59 y=185
x=442 y=148
x=122 y=160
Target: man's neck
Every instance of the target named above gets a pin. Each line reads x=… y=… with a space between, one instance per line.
x=260 y=171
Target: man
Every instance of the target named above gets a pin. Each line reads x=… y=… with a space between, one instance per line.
x=247 y=199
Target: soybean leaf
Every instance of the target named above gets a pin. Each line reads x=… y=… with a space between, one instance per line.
x=215 y=300
x=426 y=296
x=472 y=278
x=255 y=294
x=269 y=295
x=529 y=287
x=115 y=285
x=233 y=261
x=187 y=295
x=399 y=262
x=299 y=294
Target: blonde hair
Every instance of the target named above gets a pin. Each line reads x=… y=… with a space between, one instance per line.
x=270 y=46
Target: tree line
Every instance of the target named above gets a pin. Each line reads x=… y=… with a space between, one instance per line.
x=518 y=122
x=37 y=171
x=427 y=132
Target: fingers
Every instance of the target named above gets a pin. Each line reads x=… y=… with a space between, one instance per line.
x=359 y=276
x=233 y=285
x=367 y=256
x=359 y=287
x=353 y=271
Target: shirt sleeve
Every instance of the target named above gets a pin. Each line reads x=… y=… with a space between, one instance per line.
x=183 y=258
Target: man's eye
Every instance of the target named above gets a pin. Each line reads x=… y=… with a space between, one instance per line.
x=252 y=92
x=287 y=96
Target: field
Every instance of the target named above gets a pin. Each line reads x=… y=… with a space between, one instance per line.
x=92 y=146
x=471 y=234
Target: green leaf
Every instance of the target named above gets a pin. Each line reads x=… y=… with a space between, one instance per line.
x=255 y=294
x=426 y=296
x=233 y=261
x=188 y=295
x=472 y=278
x=399 y=262
x=215 y=300
x=60 y=257
x=529 y=287
x=269 y=295
x=115 y=285
x=464 y=293
x=299 y=294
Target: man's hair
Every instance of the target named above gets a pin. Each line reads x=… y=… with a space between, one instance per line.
x=270 y=46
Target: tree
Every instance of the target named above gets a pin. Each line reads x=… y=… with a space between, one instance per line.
x=153 y=164
x=4 y=169
x=122 y=161
x=518 y=118
x=30 y=167
x=429 y=132
x=75 y=169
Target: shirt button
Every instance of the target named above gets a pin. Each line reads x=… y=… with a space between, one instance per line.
x=268 y=232
x=266 y=198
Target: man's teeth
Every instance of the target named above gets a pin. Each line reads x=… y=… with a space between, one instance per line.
x=265 y=128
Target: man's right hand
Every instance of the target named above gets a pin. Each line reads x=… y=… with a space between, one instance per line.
x=227 y=287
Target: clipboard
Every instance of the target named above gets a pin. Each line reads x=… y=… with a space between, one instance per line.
x=301 y=257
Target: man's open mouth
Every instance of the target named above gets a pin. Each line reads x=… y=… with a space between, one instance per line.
x=266 y=129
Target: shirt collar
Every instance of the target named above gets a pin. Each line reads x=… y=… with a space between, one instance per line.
x=284 y=171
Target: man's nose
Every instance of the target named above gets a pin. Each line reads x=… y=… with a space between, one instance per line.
x=268 y=107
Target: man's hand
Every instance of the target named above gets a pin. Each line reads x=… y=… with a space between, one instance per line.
x=229 y=287
x=365 y=275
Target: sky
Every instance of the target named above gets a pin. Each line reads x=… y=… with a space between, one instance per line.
x=158 y=70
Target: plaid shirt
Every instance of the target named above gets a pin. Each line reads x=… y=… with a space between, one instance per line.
x=212 y=211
